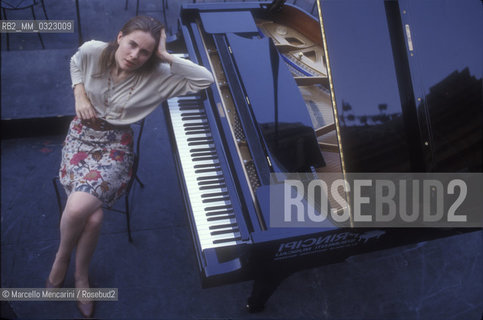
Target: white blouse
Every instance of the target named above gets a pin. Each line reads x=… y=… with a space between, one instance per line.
x=133 y=98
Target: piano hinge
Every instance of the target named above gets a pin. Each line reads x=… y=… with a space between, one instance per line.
x=229 y=48
x=269 y=162
x=248 y=100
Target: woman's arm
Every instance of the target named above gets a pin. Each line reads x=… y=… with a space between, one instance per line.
x=83 y=107
x=162 y=53
x=186 y=77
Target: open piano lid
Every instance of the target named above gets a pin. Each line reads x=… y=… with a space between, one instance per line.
x=275 y=101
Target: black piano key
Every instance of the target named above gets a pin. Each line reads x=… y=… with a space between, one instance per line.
x=212 y=169
x=204 y=158
x=225 y=199
x=192 y=114
x=199 y=143
x=202 y=150
x=215 y=233
x=213 y=187
x=214 y=194
x=193 y=118
x=191 y=108
x=214 y=159
x=190 y=130
x=209 y=178
x=209 y=138
x=203 y=154
x=226 y=206
x=226 y=240
x=208 y=165
x=222 y=226
x=196 y=128
x=208 y=170
x=210 y=182
x=189 y=102
x=221 y=218
x=198 y=132
x=222 y=212
x=209 y=155
x=192 y=124
x=195 y=158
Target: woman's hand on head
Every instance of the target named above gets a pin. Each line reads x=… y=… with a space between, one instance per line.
x=83 y=107
x=162 y=52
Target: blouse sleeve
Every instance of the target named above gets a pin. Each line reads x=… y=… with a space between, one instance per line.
x=75 y=69
x=79 y=63
x=185 y=77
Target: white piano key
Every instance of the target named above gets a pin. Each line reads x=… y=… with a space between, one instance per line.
x=196 y=148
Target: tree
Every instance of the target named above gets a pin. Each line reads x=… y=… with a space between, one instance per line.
x=382 y=107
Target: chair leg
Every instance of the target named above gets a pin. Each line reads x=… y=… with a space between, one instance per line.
x=43 y=8
x=125 y=5
x=139 y=181
x=7 y=37
x=79 y=29
x=57 y=195
x=137 y=7
x=127 y=217
x=38 y=33
x=136 y=161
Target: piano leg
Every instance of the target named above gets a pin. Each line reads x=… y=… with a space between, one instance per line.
x=263 y=287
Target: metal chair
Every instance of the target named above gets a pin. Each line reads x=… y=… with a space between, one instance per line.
x=134 y=177
x=164 y=4
x=15 y=5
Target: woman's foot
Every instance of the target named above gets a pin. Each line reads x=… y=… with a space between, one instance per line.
x=86 y=307
x=57 y=273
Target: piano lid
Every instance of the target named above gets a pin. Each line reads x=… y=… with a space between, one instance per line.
x=276 y=104
x=228 y=21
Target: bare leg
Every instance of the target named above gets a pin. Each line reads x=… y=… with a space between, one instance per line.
x=85 y=248
x=80 y=206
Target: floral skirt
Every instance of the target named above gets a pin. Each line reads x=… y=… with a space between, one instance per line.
x=97 y=162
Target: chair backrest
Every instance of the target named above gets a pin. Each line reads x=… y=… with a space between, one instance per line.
x=17 y=4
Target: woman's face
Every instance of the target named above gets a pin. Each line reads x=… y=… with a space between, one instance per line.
x=134 y=50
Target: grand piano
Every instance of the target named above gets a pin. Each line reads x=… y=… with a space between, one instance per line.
x=276 y=108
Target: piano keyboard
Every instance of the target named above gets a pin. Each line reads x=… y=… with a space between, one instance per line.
x=212 y=210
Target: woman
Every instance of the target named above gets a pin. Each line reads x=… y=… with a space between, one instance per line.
x=115 y=85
